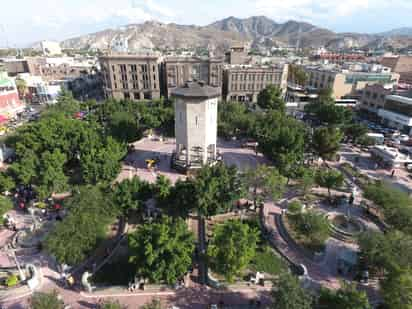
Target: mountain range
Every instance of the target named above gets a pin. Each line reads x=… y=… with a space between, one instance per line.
x=257 y=31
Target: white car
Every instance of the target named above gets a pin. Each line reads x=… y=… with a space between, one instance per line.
x=403 y=138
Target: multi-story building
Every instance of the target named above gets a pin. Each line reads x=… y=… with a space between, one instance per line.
x=343 y=82
x=176 y=71
x=243 y=83
x=401 y=65
x=373 y=97
x=237 y=55
x=397 y=113
x=133 y=77
x=10 y=104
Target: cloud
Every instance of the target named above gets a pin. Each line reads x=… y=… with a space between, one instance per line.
x=323 y=9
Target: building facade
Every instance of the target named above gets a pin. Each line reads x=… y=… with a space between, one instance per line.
x=397 y=113
x=373 y=97
x=243 y=83
x=176 y=71
x=10 y=104
x=345 y=83
x=401 y=65
x=130 y=76
x=237 y=55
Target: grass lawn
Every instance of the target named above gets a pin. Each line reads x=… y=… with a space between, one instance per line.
x=268 y=261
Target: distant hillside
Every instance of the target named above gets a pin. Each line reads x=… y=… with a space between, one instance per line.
x=406 y=31
x=258 y=31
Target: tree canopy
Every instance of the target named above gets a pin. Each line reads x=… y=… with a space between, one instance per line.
x=271 y=98
x=232 y=247
x=263 y=183
x=235 y=120
x=330 y=179
x=346 y=297
x=216 y=189
x=130 y=195
x=326 y=142
x=395 y=204
x=162 y=250
x=397 y=290
x=59 y=149
x=281 y=139
x=89 y=213
x=288 y=294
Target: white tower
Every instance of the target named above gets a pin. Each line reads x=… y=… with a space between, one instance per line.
x=195 y=124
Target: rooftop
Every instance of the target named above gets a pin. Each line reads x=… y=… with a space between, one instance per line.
x=196 y=89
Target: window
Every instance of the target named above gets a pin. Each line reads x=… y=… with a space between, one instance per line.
x=197 y=120
x=127 y=95
x=115 y=85
x=136 y=95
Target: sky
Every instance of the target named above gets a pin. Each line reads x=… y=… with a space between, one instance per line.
x=26 y=21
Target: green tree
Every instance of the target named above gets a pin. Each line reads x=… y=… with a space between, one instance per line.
x=52 y=177
x=232 y=247
x=288 y=294
x=162 y=250
x=7 y=182
x=234 y=119
x=41 y=300
x=394 y=203
x=217 y=188
x=344 y=298
x=181 y=200
x=330 y=179
x=390 y=252
x=326 y=142
x=101 y=165
x=355 y=132
x=5 y=205
x=327 y=112
x=162 y=189
x=89 y=213
x=280 y=138
x=130 y=195
x=312 y=227
x=397 y=290
x=263 y=183
x=297 y=75
x=306 y=179
x=124 y=127
x=271 y=98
